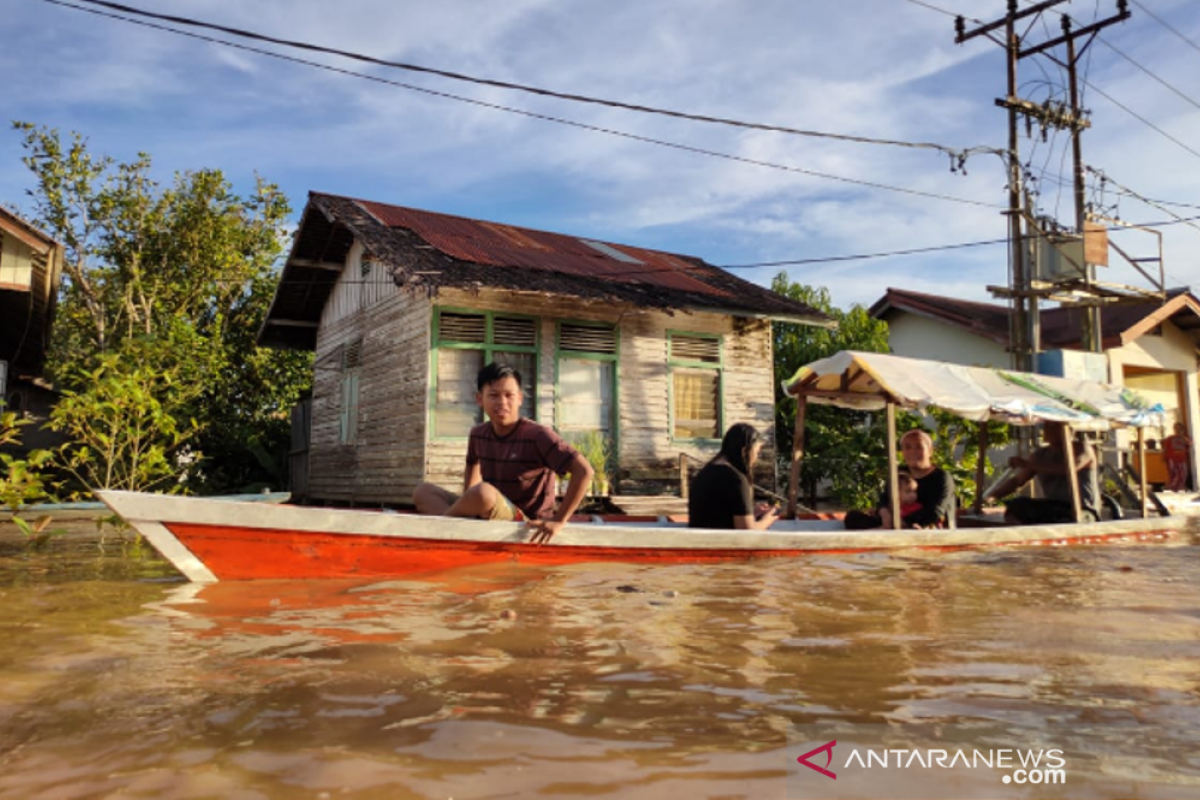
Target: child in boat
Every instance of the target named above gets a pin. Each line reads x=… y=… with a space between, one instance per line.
x=907 y=488
x=512 y=465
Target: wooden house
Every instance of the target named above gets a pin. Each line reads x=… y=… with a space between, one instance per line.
x=658 y=352
x=30 y=273
x=1150 y=346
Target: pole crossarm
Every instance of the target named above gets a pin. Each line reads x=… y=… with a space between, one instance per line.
x=1086 y=30
x=963 y=35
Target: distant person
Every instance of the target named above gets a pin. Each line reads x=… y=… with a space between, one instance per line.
x=1049 y=465
x=1177 y=452
x=721 y=495
x=934 y=501
x=512 y=465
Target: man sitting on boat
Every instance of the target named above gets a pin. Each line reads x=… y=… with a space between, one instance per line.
x=512 y=465
x=1049 y=465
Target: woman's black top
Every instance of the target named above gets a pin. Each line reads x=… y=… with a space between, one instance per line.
x=935 y=493
x=716 y=495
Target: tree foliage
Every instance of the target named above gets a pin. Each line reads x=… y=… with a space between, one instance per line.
x=845 y=448
x=165 y=288
x=127 y=423
x=956 y=449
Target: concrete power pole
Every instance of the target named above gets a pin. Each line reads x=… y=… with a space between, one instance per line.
x=1091 y=335
x=1024 y=325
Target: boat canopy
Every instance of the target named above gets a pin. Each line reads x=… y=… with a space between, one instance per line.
x=868 y=381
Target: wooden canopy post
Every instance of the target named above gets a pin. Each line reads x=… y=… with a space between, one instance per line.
x=893 y=467
x=797 y=456
x=1069 y=453
x=980 y=471
x=1143 y=492
x=683 y=476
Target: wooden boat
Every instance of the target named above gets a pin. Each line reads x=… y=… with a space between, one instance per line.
x=211 y=540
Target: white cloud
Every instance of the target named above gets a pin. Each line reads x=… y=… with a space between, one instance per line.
x=878 y=68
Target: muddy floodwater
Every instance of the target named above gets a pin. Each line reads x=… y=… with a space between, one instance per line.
x=119 y=680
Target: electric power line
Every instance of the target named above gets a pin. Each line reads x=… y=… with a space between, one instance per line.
x=930 y=249
x=1165 y=24
x=932 y=7
x=1123 y=55
x=1106 y=179
x=457 y=76
x=1139 y=117
x=861 y=256
x=535 y=115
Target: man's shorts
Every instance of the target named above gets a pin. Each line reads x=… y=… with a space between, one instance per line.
x=505 y=511
x=1043 y=511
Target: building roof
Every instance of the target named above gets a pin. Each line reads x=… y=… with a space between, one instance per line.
x=1060 y=327
x=428 y=251
x=12 y=223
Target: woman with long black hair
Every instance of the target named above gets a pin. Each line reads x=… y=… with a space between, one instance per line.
x=722 y=494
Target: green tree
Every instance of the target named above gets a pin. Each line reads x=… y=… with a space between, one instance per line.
x=843 y=447
x=22 y=480
x=126 y=423
x=956 y=449
x=177 y=279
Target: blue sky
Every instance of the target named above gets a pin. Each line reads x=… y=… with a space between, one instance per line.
x=873 y=68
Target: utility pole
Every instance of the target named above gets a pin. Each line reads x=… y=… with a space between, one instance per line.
x=1091 y=335
x=1024 y=333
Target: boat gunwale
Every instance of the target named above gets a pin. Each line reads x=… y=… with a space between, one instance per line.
x=784 y=535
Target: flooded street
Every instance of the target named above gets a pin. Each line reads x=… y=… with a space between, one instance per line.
x=585 y=681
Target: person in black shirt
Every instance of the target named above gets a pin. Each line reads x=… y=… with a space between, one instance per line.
x=721 y=495
x=935 y=490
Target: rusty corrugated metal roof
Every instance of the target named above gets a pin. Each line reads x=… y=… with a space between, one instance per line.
x=499 y=245
x=427 y=250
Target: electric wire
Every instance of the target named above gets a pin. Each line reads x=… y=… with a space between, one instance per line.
x=1160 y=205
x=1123 y=55
x=932 y=7
x=1139 y=117
x=862 y=256
x=457 y=76
x=1166 y=25
x=1105 y=178
x=550 y=118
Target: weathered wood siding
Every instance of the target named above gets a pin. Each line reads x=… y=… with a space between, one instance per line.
x=646 y=448
x=386 y=459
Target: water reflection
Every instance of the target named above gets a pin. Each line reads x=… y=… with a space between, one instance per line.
x=508 y=681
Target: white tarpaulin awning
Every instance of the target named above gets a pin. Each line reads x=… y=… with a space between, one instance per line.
x=869 y=381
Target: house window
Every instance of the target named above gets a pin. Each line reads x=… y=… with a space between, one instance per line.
x=587 y=379
x=351 y=370
x=465 y=341
x=696 y=385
